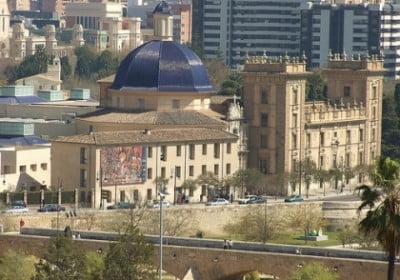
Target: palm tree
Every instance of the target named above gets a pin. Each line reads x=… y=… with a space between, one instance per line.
x=383 y=202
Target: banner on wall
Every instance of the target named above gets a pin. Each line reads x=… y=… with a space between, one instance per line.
x=123 y=165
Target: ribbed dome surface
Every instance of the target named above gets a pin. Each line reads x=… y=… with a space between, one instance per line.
x=163 y=8
x=162 y=66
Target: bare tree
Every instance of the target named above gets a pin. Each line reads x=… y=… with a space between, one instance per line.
x=305 y=217
x=88 y=219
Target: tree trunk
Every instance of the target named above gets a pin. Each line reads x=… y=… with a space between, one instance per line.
x=391 y=264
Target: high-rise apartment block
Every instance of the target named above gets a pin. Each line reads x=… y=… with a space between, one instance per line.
x=351 y=29
x=284 y=130
x=232 y=28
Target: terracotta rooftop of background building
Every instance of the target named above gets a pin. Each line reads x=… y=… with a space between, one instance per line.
x=152 y=117
x=148 y=137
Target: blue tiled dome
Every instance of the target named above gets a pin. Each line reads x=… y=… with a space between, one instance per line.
x=163 y=8
x=162 y=66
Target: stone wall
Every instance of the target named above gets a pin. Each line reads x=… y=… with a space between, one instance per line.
x=192 y=218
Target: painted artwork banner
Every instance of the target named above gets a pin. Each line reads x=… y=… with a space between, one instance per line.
x=124 y=165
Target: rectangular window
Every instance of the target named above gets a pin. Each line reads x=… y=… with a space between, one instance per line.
x=43 y=166
x=150 y=152
x=264 y=96
x=163 y=172
x=347 y=163
x=308 y=140
x=204 y=149
x=294 y=120
x=374 y=112
x=191 y=170
x=348 y=137
x=149 y=194
x=264 y=119
x=176 y=104
x=22 y=168
x=33 y=167
x=178 y=171
x=122 y=196
x=322 y=138
x=360 y=158
x=263 y=166
x=361 y=135
x=228 y=169
x=334 y=162
x=163 y=155
x=178 y=150
x=294 y=97
x=84 y=156
x=216 y=150
x=191 y=151
x=374 y=92
x=373 y=135
x=216 y=169
x=228 y=148
x=149 y=173
x=83 y=178
x=321 y=161
x=263 y=141
x=346 y=91
x=135 y=195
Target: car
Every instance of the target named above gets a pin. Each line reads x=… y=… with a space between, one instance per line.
x=257 y=200
x=121 y=205
x=294 y=198
x=218 y=201
x=51 y=208
x=18 y=203
x=247 y=198
x=16 y=210
x=165 y=204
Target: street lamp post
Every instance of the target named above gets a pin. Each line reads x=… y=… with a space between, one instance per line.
x=101 y=188
x=161 y=195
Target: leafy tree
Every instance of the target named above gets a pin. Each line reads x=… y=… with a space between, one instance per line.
x=390 y=125
x=383 y=202
x=161 y=184
x=313 y=271
x=316 y=87
x=248 y=180
x=254 y=275
x=210 y=180
x=63 y=260
x=189 y=185
x=16 y=266
x=65 y=68
x=94 y=266
x=31 y=65
x=130 y=257
x=347 y=235
x=322 y=176
x=86 y=62
x=106 y=64
x=305 y=217
x=232 y=86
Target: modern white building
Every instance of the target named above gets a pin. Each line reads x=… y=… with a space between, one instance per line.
x=233 y=28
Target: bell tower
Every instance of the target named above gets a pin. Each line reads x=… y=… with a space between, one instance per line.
x=163 y=22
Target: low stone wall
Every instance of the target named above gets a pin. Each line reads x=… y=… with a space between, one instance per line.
x=208 y=219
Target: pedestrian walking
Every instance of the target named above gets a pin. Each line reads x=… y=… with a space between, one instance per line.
x=225 y=244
